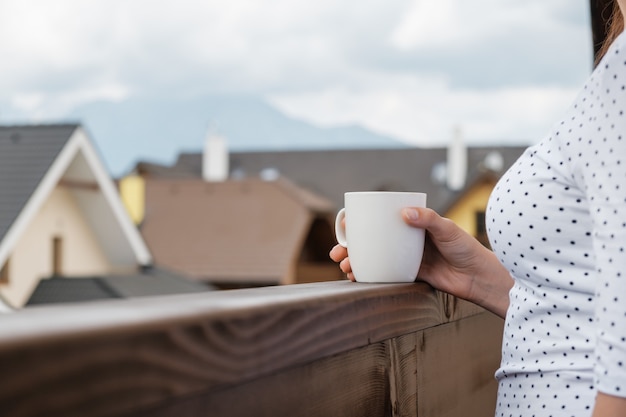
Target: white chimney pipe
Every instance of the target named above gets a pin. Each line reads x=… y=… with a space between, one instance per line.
x=457 y=161
x=215 y=158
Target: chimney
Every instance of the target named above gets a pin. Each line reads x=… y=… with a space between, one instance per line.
x=215 y=158
x=457 y=161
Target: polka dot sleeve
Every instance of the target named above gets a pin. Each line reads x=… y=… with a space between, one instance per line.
x=597 y=154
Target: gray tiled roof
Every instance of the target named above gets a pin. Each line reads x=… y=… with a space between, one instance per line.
x=26 y=154
x=331 y=173
x=154 y=281
x=69 y=290
x=150 y=282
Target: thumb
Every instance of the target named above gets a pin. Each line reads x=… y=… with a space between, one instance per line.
x=425 y=218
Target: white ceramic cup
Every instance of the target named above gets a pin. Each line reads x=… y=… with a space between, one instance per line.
x=381 y=246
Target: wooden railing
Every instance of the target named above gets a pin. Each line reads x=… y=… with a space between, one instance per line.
x=323 y=349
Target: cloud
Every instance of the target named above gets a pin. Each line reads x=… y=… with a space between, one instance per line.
x=428 y=24
x=408 y=67
x=425 y=111
x=189 y=46
x=493 y=43
x=183 y=47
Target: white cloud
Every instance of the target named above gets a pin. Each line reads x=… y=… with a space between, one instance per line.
x=27 y=101
x=396 y=66
x=435 y=24
x=41 y=106
x=425 y=111
x=427 y=24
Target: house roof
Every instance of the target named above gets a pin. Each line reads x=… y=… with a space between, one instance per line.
x=70 y=290
x=150 y=282
x=234 y=231
x=331 y=173
x=26 y=155
x=34 y=159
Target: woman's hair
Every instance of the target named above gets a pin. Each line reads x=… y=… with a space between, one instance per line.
x=615 y=26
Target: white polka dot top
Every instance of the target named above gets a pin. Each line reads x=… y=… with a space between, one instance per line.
x=557 y=221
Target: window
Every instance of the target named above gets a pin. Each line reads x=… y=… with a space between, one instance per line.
x=4 y=273
x=57 y=255
x=481 y=229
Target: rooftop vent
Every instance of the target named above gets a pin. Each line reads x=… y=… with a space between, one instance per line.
x=494 y=161
x=215 y=158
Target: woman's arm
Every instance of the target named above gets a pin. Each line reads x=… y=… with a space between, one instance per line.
x=609 y=406
x=453 y=262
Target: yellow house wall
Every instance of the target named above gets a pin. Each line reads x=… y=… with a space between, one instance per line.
x=464 y=211
x=132 y=191
x=31 y=259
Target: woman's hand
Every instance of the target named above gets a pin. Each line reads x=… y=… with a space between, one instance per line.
x=453 y=262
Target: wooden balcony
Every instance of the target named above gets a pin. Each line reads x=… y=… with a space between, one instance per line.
x=322 y=349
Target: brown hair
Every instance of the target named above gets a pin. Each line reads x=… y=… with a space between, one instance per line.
x=615 y=26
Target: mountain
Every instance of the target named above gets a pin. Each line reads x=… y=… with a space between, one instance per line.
x=158 y=130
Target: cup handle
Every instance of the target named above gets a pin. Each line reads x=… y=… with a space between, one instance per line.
x=340 y=231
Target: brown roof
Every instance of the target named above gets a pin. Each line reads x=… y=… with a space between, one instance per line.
x=235 y=231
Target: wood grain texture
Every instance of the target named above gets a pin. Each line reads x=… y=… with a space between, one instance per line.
x=351 y=384
x=403 y=374
x=117 y=358
x=456 y=366
x=378 y=380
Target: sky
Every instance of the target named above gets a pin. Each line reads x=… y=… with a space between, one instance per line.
x=501 y=70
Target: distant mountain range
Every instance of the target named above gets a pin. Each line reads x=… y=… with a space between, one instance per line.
x=158 y=130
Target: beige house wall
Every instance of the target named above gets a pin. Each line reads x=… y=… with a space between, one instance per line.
x=32 y=258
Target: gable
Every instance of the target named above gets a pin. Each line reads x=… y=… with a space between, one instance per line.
x=38 y=159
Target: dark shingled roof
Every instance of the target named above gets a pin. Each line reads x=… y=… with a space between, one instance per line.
x=331 y=173
x=26 y=154
x=150 y=282
x=69 y=290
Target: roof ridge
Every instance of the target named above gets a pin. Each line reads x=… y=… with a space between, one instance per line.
x=39 y=125
x=303 y=195
x=102 y=283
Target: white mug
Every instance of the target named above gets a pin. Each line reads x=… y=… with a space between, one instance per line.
x=381 y=246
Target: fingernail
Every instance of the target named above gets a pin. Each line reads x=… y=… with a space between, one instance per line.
x=410 y=213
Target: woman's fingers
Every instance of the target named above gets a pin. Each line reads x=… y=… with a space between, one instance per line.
x=345 y=266
x=338 y=253
x=441 y=228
